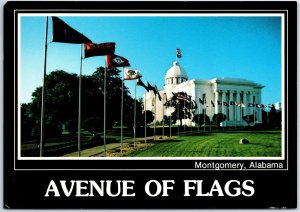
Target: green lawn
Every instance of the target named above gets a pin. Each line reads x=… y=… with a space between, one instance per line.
x=223 y=144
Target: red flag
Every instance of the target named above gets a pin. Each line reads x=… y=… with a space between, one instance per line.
x=101 y=49
x=116 y=61
x=63 y=33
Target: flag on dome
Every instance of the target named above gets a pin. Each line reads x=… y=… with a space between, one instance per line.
x=130 y=74
x=116 y=61
x=63 y=33
x=140 y=83
x=178 y=53
x=101 y=49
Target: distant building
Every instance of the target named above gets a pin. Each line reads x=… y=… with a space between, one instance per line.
x=240 y=95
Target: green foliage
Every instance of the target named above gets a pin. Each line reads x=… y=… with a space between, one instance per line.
x=184 y=107
x=199 y=119
x=61 y=103
x=218 y=118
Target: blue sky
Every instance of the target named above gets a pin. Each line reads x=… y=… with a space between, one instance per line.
x=231 y=46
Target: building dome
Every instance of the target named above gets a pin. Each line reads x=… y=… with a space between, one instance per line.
x=175 y=75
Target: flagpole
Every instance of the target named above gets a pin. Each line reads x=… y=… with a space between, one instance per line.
x=43 y=92
x=170 y=124
x=122 y=105
x=155 y=118
x=184 y=116
x=254 y=110
x=210 y=118
x=79 y=102
x=191 y=116
x=134 y=118
x=178 y=119
x=104 y=111
x=163 y=113
x=204 y=113
x=199 y=120
x=145 y=118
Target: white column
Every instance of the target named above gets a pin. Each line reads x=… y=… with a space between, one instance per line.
x=224 y=108
x=245 y=103
x=238 y=108
x=216 y=102
x=251 y=101
x=231 y=107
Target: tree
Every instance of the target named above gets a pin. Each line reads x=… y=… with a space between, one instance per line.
x=61 y=100
x=27 y=122
x=199 y=119
x=218 y=118
x=184 y=107
x=149 y=116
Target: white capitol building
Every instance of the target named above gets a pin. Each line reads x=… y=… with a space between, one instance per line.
x=229 y=90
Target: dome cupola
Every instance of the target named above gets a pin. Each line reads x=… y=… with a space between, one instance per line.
x=175 y=75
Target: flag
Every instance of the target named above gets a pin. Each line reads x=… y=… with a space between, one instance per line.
x=231 y=103
x=130 y=74
x=116 y=61
x=219 y=103
x=101 y=49
x=140 y=83
x=157 y=92
x=270 y=105
x=63 y=33
x=243 y=105
x=201 y=101
x=212 y=103
x=178 y=53
x=251 y=105
x=225 y=104
x=150 y=87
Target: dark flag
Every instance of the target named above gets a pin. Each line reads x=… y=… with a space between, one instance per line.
x=101 y=49
x=219 y=103
x=231 y=102
x=159 y=97
x=225 y=104
x=212 y=103
x=251 y=105
x=201 y=101
x=63 y=33
x=150 y=87
x=178 y=53
x=140 y=83
x=116 y=61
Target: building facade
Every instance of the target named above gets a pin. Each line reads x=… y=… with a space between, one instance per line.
x=235 y=98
